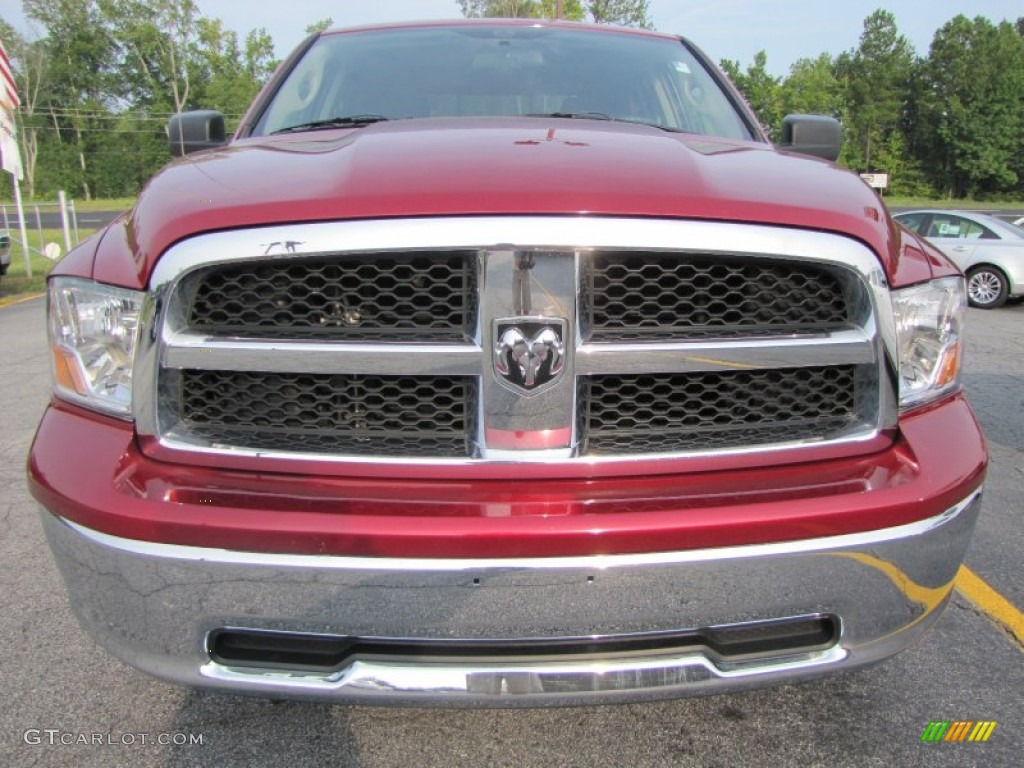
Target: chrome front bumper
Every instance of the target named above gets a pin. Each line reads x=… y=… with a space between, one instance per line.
x=155 y=607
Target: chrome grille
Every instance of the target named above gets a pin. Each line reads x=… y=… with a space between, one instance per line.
x=358 y=415
x=411 y=296
x=751 y=338
x=635 y=295
x=659 y=413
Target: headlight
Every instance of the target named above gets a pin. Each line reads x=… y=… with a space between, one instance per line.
x=93 y=331
x=929 y=328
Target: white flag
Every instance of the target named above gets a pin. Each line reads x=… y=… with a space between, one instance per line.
x=10 y=155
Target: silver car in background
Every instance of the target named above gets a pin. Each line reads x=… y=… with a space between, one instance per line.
x=989 y=250
x=5 y=251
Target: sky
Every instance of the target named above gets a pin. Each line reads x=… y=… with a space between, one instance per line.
x=726 y=29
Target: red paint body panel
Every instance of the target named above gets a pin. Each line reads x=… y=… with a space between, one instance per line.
x=79 y=260
x=497 y=166
x=114 y=488
x=489 y=166
x=118 y=260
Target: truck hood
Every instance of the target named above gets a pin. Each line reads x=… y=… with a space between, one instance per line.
x=540 y=166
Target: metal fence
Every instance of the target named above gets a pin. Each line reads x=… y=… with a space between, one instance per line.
x=60 y=215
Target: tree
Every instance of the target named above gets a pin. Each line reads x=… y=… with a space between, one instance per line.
x=572 y=10
x=320 y=26
x=760 y=89
x=970 y=108
x=512 y=9
x=812 y=88
x=627 y=13
x=258 y=56
x=79 y=52
x=877 y=77
x=630 y=13
x=156 y=39
x=218 y=57
x=114 y=71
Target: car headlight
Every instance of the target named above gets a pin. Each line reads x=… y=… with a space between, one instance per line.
x=93 y=331
x=929 y=329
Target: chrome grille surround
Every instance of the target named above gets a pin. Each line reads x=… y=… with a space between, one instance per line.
x=539 y=276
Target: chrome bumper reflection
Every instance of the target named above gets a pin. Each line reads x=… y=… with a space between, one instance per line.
x=364 y=678
x=154 y=606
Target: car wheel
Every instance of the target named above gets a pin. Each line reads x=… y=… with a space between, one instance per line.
x=986 y=288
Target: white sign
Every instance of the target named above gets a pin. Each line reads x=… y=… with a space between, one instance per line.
x=876 y=180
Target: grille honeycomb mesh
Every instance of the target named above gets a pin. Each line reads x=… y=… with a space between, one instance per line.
x=629 y=296
x=330 y=413
x=660 y=413
x=407 y=297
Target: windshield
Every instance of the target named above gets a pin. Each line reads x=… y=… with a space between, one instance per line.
x=481 y=71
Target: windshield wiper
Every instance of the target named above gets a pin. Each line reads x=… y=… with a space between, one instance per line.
x=603 y=116
x=572 y=115
x=353 y=121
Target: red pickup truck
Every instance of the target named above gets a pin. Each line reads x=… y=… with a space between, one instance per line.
x=505 y=363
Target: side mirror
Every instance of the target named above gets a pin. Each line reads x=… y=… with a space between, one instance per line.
x=193 y=131
x=812 y=135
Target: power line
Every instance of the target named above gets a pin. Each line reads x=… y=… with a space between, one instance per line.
x=106 y=115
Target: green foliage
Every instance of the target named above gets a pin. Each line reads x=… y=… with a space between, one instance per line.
x=319 y=26
x=970 y=108
x=812 y=88
x=762 y=91
x=99 y=85
x=952 y=123
x=572 y=10
x=877 y=75
x=629 y=13
x=511 y=9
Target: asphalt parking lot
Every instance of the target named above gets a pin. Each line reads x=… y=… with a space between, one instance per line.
x=59 y=687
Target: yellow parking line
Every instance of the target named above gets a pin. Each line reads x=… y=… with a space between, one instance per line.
x=990 y=602
x=20 y=300
x=927 y=597
x=967 y=583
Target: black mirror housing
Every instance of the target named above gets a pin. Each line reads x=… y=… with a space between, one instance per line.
x=815 y=135
x=200 y=129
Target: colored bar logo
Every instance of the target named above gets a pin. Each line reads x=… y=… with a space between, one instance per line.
x=958 y=730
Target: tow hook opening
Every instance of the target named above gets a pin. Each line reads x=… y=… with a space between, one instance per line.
x=321 y=653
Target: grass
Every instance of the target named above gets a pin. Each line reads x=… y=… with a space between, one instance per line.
x=16 y=283
x=82 y=206
x=124 y=203
x=107 y=204
x=966 y=204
